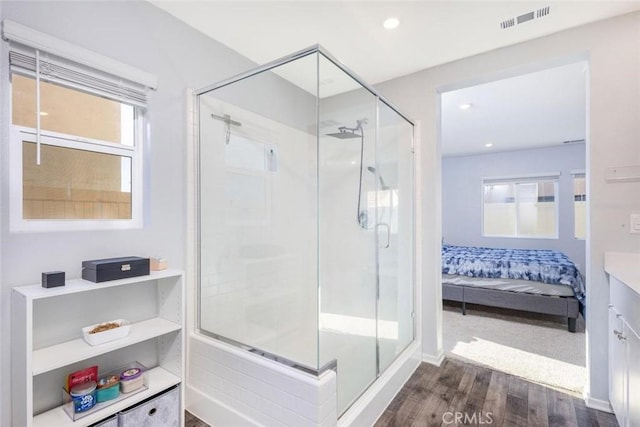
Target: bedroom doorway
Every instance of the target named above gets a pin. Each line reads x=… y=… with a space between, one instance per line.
x=514 y=198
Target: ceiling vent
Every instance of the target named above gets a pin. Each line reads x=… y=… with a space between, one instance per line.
x=508 y=23
x=573 y=141
x=525 y=17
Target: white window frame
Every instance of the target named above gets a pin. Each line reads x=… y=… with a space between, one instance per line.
x=116 y=80
x=524 y=179
x=16 y=203
x=577 y=173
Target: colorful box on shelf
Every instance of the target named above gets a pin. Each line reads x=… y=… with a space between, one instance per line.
x=111 y=387
x=108 y=387
x=101 y=333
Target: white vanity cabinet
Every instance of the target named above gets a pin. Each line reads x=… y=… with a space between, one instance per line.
x=624 y=336
x=47 y=342
x=617 y=364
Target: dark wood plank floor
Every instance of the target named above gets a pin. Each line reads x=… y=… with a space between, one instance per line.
x=460 y=394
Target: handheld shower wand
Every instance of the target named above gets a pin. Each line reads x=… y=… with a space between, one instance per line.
x=345 y=132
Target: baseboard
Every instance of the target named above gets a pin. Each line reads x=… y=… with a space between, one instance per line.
x=433 y=360
x=208 y=409
x=600 y=405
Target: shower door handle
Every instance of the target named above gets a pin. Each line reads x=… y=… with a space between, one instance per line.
x=384 y=224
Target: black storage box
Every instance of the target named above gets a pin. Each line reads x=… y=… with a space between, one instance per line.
x=52 y=279
x=102 y=270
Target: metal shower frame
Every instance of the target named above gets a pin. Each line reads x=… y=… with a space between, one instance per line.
x=293 y=57
x=245 y=75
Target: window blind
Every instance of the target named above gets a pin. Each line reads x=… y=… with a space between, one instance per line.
x=70 y=65
x=546 y=176
x=59 y=71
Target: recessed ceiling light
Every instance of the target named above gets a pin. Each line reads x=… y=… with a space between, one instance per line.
x=465 y=106
x=44 y=113
x=391 y=23
x=488 y=144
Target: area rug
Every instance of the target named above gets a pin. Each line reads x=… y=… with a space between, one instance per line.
x=535 y=347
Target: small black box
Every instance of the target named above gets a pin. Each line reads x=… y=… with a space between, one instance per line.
x=102 y=270
x=52 y=279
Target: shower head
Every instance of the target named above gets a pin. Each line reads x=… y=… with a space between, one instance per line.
x=348 y=133
x=345 y=133
x=383 y=186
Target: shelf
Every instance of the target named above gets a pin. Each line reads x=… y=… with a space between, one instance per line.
x=157 y=297
x=159 y=380
x=79 y=285
x=59 y=355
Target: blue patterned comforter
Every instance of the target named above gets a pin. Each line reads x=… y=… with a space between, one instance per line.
x=546 y=266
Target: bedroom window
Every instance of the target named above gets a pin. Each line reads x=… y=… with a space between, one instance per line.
x=580 y=205
x=524 y=207
x=76 y=146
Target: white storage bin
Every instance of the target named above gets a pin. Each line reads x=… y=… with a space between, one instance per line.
x=161 y=411
x=109 y=422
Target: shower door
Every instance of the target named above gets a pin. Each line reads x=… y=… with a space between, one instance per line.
x=394 y=222
x=347 y=238
x=365 y=231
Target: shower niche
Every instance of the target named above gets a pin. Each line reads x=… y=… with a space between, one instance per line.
x=305 y=205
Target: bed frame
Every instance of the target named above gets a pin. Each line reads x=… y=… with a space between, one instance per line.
x=545 y=304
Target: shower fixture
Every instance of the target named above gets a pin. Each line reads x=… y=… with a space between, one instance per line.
x=383 y=186
x=228 y=121
x=344 y=132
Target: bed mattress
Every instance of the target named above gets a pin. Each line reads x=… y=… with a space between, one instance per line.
x=513 y=285
x=534 y=265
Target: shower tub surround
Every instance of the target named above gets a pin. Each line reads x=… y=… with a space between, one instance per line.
x=235 y=387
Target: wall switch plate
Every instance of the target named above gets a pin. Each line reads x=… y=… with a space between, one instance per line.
x=634 y=223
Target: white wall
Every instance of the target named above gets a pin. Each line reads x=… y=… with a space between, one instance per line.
x=462 y=196
x=141 y=35
x=611 y=47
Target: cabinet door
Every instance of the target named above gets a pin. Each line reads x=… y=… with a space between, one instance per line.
x=633 y=377
x=617 y=371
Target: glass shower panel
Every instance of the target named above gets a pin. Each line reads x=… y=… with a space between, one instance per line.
x=394 y=222
x=305 y=220
x=347 y=240
x=257 y=212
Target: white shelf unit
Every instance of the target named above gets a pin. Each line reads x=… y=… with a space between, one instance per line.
x=47 y=342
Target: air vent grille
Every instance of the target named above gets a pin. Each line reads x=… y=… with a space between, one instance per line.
x=573 y=141
x=508 y=23
x=525 y=17
x=542 y=12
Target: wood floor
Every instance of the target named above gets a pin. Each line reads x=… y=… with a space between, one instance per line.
x=192 y=421
x=459 y=394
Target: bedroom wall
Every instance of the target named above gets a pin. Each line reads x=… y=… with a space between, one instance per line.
x=139 y=34
x=462 y=196
x=611 y=48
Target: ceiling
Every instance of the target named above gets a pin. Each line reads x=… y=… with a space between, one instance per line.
x=544 y=108
x=431 y=33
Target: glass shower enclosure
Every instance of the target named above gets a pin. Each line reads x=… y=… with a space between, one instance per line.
x=305 y=219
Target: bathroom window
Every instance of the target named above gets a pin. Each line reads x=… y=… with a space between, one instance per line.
x=249 y=167
x=520 y=207
x=76 y=151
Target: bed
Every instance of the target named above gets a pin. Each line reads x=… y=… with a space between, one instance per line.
x=538 y=281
